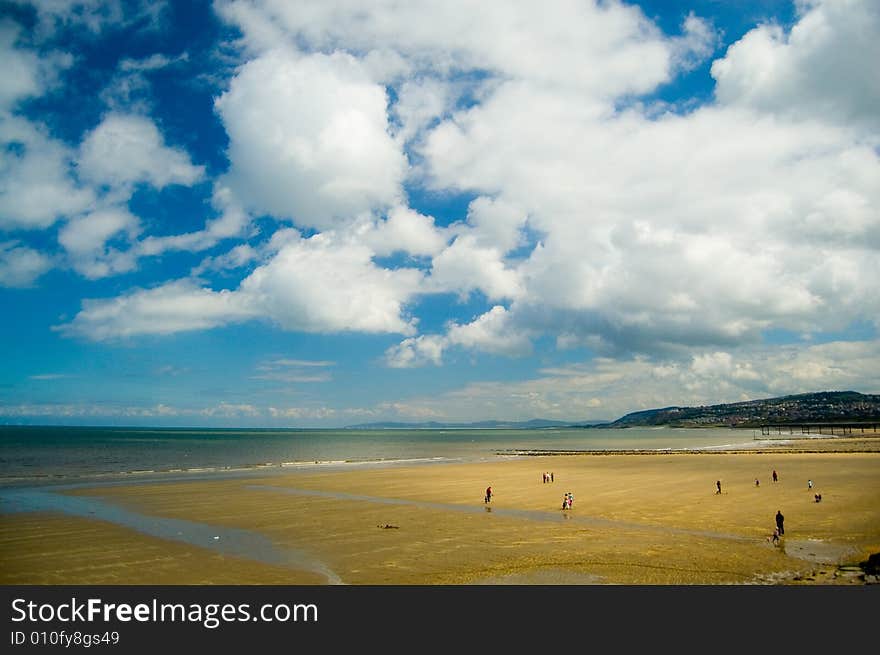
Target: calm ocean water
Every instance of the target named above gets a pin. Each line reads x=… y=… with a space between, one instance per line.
x=34 y=454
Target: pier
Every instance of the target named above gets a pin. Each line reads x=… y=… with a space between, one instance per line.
x=834 y=429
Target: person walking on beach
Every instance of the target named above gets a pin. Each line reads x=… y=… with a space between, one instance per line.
x=718 y=485
x=757 y=482
x=809 y=484
x=488 y=494
x=779 y=523
x=775 y=538
x=551 y=476
x=775 y=477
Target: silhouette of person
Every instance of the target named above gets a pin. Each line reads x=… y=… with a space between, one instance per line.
x=718 y=484
x=488 y=494
x=775 y=477
x=779 y=522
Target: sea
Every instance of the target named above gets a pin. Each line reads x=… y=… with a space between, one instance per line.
x=44 y=454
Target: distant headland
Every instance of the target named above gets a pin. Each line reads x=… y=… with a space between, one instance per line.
x=822 y=407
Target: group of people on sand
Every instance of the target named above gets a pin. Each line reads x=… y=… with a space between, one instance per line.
x=779 y=531
x=567 y=500
x=548 y=477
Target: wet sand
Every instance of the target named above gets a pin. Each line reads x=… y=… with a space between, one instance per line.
x=636 y=519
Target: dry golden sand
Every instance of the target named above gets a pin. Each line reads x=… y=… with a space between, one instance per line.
x=636 y=519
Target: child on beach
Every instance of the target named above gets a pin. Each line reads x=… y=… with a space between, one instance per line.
x=775 y=538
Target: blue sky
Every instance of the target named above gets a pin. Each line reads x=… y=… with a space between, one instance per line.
x=265 y=213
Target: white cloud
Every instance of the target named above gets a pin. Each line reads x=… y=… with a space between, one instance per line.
x=607 y=388
x=602 y=48
x=302 y=412
x=320 y=285
x=125 y=149
x=35 y=184
x=465 y=266
x=496 y=223
x=404 y=230
x=21 y=68
x=416 y=351
x=20 y=266
x=236 y=258
x=699 y=40
x=54 y=16
x=85 y=239
x=130 y=90
x=173 y=307
x=492 y=332
x=155 y=61
x=419 y=103
x=825 y=66
x=309 y=139
x=309 y=285
x=294 y=371
x=232 y=222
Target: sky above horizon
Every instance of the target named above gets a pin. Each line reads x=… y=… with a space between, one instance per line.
x=328 y=212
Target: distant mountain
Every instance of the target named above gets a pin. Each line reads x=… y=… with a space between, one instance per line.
x=534 y=424
x=820 y=407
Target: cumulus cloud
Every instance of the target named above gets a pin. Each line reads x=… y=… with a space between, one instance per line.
x=85 y=239
x=419 y=103
x=602 y=48
x=21 y=68
x=36 y=188
x=825 y=66
x=309 y=285
x=320 y=285
x=173 y=307
x=491 y=332
x=465 y=266
x=125 y=148
x=416 y=351
x=309 y=139
x=20 y=266
x=404 y=230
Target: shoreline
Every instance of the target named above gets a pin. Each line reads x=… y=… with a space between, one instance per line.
x=817 y=444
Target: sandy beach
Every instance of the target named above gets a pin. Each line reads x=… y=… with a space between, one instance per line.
x=652 y=519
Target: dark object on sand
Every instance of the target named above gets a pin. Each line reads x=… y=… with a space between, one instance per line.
x=388 y=526
x=872 y=565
